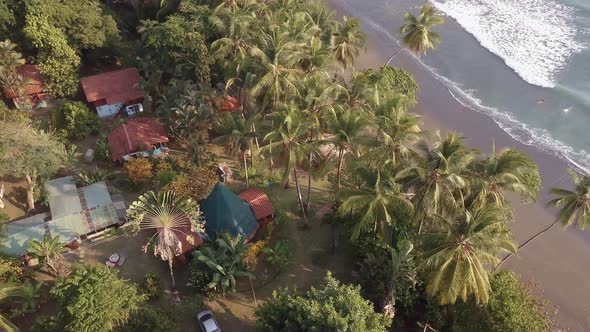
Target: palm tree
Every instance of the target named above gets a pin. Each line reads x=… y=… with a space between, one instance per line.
x=508 y=170
x=171 y=217
x=236 y=27
x=347 y=41
x=289 y=140
x=379 y=194
x=225 y=262
x=456 y=257
x=574 y=208
x=440 y=175
x=239 y=137
x=417 y=34
x=50 y=250
x=345 y=127
x=397 y=132
x=275 y=66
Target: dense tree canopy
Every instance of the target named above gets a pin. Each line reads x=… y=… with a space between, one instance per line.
x=333 y=307
x=94 y=298
x=30 y=153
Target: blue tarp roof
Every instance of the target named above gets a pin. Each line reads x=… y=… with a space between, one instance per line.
x=224 y=211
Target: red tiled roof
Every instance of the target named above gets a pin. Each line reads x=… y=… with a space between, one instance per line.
x=33 y=80
x=114 y=87
x=128 y=137
x=259 y=202
x=182 y=235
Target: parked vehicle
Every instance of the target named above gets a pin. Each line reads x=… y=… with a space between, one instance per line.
x=207 y=321
x=132 y=110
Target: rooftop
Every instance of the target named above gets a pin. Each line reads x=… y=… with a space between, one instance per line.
x=114 y=87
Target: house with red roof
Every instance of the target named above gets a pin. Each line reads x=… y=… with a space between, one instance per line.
x=34 y=86
x=261 y=205
x=140 y=136
x=111 y=91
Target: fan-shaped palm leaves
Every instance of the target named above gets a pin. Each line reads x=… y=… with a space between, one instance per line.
x=417 y=34
x=456 y=257
x=376 y=201
x=171 y=217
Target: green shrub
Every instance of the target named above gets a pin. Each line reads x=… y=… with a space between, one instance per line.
x=76 y=119
x=150 y=319
x=4 y=217
x=251 y=256
x=151 y=285
x=278 y=256
x=199 y=276
x=512 y=307
x=86 y=178
x=15 y=271
x=102 y=151
x=47 y=324
x=165 y=177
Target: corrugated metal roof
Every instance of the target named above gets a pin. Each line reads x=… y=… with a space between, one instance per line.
x=128 y=137
x=119 y=86
x=259 y=202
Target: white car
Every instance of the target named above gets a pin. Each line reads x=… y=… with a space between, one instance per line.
x=134 y=109
x=207 y=321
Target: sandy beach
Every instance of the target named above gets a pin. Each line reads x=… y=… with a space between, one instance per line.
x=559 y=260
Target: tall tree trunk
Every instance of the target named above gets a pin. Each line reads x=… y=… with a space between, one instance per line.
x=526 y=243
x=375 y=227
x=340 y=159
x=387 y=306
x=394 y=55
x=170 y=266
x=31 y=181
x=306 y=223
x=309 y=182
x=245 y=168
x=251 y=153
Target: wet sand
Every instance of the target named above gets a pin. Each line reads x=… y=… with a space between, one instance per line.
x=560 y=259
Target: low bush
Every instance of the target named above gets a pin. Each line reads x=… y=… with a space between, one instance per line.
x=196 y=184
x=138 y=170
x=512 y=307
x=199 y=276
x=151 y=285
x=252 y=256
x=102 y=151
x=148 y=319
x=86 y=178
x=15 y=271
x=278 y=256
x=4 y=217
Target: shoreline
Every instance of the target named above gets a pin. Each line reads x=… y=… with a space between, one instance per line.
x=555 y=260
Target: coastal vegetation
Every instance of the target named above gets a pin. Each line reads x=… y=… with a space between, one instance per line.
x=424 y=219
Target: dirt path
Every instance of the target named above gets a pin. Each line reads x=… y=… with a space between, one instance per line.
x=310 y=260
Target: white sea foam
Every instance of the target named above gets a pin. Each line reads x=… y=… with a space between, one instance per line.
x=536 y=38
x=537 y=137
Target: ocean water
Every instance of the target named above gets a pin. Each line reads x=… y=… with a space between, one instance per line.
x=524 y=63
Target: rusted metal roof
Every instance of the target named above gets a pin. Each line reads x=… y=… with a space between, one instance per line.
x=137 y=132
x=119 y=86
x=259 y=202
